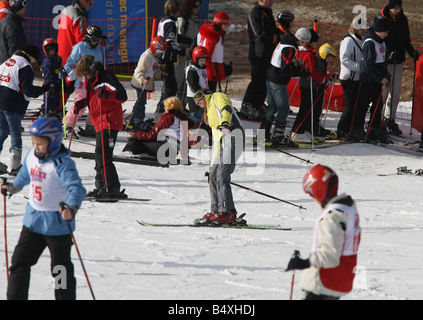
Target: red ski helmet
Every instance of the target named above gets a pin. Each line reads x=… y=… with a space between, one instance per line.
x=50 y=42
x=158 y=43
x=198 y=53
x=321 y=183
x=221 y=18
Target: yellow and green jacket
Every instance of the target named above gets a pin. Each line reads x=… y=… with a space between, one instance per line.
x=220 y=113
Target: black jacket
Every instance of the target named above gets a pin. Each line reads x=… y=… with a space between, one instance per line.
x=14 y=101
x=263 y=33
x=12 y=36
x=287 y=70
x=370 y=71
x=398 y=39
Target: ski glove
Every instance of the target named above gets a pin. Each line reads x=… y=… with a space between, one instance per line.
x=9 y=189
x=62 y=74
x=296 y=263
x=79 y=105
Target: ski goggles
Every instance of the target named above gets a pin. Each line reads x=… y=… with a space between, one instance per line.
x=198 y=96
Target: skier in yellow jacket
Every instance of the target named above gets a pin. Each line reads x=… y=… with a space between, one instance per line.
x=228 y=145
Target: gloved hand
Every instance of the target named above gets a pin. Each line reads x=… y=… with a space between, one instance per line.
x=224 y=129
x=415 y=55
x=296 y=263
x=9 y=189
x=62 y=74
x=103 y=41
x=79 y=105
x=45 y=87
x=207 y=175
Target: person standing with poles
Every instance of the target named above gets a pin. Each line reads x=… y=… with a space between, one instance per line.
x=263 y=36
x=374 y=75
x=53 y=176
x=329 y=270
x=228 y=145
x=105 y=95
x=397 y=44
x=351 y=122
x=143 y=79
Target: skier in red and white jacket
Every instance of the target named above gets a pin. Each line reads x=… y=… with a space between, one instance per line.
x=330 y=268
x=211 y=36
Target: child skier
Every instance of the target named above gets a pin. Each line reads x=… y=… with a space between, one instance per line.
x=312 y=94
x=330 y=268
x=51 y=66
x=53 y=178
x=89 y=46
x=228 y=145
x=143 y=79
x=16 y=77
x=104 y=97
x=374 y=75
x=196 y=78
x=283 y=66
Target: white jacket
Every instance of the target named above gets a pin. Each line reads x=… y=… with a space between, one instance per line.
x=334 y=251
x=350 y=56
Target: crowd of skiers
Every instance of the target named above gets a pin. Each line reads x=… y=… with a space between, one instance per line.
x=191 y=62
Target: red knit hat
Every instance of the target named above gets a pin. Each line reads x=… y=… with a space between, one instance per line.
x=221 y=18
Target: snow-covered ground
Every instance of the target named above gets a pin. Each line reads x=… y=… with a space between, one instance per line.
x=127 y=261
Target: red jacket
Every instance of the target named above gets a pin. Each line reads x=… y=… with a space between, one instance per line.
x=209 y=38
x=309 y=58
x=105 y=95
x=4 y=9
x=72 y=26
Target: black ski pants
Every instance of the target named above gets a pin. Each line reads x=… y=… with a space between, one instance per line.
x=110 y=172
x=26 y=254
x=256 y=90
x=355 y=108
x=302 y=122
x=372 y=94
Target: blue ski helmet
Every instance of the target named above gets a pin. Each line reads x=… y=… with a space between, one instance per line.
x=51 y=128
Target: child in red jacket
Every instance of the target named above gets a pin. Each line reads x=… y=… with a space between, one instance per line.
x=317 y=68
x=211 y=36
x=166 y=139
x=105 y=95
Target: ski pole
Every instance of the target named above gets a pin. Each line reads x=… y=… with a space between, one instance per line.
x=374 y=113
x=63 y=107
x=312 y=112
x=412 y=106
x=330 y=98
x=296 y=254
x=355 y=108
x=292 y=155
x=63 y=205
x=293 y=91
x=102 y=147
x=267 y=195
x=73 y=126
x=5 y=231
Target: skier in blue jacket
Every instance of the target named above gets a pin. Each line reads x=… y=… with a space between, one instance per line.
x=54 y=178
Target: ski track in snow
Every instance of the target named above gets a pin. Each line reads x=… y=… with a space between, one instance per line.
x=127 y=261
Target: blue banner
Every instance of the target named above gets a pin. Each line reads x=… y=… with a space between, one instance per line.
x=124 y=24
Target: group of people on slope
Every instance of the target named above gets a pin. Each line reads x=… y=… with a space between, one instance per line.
x=371 y=71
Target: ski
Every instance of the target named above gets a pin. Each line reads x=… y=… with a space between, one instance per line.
x=242 y=225
x=133 y=160
x=111 y=199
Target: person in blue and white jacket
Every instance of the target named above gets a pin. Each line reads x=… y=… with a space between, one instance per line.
x=54 y=179
x=16 y=90
x=87 y=47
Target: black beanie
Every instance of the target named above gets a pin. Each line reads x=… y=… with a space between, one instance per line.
x=381 y=25
x=32 y=50
x=393 y=3
x=16 y=5
x=314 y=36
